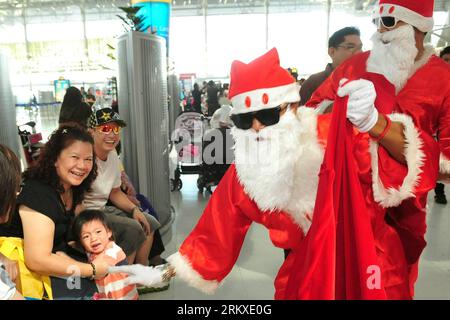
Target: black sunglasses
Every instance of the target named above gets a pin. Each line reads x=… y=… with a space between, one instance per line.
x=267 y=117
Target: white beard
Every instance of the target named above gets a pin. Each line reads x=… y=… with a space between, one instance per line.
x=393 y=55
x=278 y=166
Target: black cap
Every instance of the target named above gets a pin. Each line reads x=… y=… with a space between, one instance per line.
x=105 y=115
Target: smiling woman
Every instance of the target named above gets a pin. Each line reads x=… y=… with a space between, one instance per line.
x=52 y=190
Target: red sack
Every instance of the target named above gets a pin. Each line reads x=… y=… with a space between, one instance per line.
x=337 y=257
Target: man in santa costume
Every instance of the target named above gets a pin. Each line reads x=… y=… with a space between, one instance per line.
x=420 y=100
x=273 y=180
x=278 y=152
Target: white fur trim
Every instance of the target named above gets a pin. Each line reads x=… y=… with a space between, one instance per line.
x=277 y=95
x=294 y=196
x=444 y=164
x=428 y=52
x=414 y=159
x=424 y=24
x=185 y=271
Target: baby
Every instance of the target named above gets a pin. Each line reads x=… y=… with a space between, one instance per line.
x=93 y=233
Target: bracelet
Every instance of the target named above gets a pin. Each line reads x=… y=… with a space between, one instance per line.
x=385 y=130
x=94 y=271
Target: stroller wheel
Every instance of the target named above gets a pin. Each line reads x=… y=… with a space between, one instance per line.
x=179 y=184
x=172 y=185
x=200 y=185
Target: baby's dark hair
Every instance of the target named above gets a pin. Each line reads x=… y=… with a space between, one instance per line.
x=85 y=217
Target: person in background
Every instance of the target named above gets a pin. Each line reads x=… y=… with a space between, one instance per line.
x=83 y=93
x=217 y=148
x=73 y=109
x=343 y=44
x=223 y=96
x=9 y=186
x=197 y=98
x=90 y=100
x=445 y=54
x=212 y=97
x=439 y=190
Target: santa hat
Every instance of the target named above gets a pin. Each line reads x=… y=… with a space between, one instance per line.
x=261 y=84
x=418 y=13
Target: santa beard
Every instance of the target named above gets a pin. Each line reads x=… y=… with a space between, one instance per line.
x=393 y=55
x=262 y=155
x=278 y=166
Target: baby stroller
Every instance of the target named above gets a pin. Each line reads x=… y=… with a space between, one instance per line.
x=31 y=142
x=216 y=160
x=186 y=154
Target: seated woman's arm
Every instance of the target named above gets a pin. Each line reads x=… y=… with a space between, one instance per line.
x=38 y=232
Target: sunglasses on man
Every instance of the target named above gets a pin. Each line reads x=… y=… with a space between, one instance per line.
x=107 y=128
x=387 y=22
x=267 y=117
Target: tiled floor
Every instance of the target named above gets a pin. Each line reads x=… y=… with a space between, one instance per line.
x=252 y=277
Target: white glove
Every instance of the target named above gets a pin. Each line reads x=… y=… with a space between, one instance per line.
x=139 y=274
x=361 y=110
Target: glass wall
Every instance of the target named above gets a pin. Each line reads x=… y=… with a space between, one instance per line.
x=204 y=45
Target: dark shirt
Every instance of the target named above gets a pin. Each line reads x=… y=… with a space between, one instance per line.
x=212 y=95
x=313 y=82
x=44 y=199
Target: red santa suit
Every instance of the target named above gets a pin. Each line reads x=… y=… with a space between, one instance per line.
x=425 y=101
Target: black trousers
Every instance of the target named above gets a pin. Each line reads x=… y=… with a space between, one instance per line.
x=157 y=246
x=439 y=189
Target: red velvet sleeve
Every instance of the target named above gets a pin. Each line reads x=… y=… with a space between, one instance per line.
x=444 y=136
x=212 y=248
x=394 y=182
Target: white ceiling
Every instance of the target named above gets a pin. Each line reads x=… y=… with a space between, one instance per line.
x=15 y=11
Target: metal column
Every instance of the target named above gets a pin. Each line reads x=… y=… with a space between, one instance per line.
x=143 y=105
